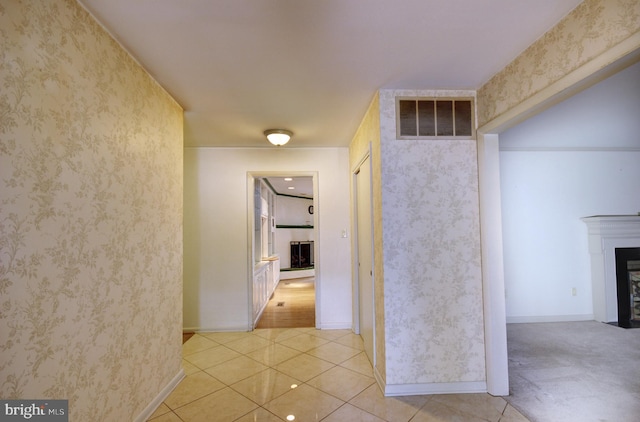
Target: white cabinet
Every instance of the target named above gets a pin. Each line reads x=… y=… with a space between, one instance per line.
x=266 y=276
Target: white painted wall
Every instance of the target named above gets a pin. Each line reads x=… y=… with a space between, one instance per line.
x=216 y=239
x=578 y=158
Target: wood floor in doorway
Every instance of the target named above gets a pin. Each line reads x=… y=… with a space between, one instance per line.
x=293 y=304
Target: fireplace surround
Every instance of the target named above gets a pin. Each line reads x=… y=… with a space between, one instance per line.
x=628 y=285
x=611 y=235
x=302 y=254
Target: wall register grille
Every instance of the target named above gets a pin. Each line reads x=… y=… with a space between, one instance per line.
x=431 y=118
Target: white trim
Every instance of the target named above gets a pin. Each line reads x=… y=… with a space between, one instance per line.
x=379 y=379
x=251 y=176
x=292 y=275
x=494 y=306
x=345 y=325
x=393 y=390
x=435 y=388
x=548 y=318
x=233 y=328
x=356 y=251
x=570 y=149
x=157 y=401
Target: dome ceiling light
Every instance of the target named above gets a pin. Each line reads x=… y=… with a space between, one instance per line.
x=278 y=137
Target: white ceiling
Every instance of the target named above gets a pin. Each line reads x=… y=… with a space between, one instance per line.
x=239 y=67
x=302 y=185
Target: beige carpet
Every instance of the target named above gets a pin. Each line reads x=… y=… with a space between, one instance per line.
x=574 y=371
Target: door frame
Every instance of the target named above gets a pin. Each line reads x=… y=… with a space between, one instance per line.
x=251 y=177
x=355 y=254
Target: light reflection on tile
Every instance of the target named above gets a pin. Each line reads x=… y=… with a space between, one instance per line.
x=305 y=403
x=248 y=377
x=265 y=386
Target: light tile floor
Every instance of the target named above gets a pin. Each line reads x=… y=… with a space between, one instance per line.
x=314 y=375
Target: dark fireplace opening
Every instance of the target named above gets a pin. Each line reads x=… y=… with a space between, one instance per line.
x=302 y=254
x=628 y=286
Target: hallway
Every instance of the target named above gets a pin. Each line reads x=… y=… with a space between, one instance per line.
x=291 y=306
x=273 y=375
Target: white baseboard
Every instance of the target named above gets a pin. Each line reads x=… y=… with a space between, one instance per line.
x=288 y=275
x=548 y=318
x=379 y=379
x=242 y=328
x=334 y=326
x=392 y=390
x=435 y=388
x=164 y=393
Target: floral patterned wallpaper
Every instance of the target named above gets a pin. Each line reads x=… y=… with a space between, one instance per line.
x=587 y=32
x=432 y=287
x=90 y=217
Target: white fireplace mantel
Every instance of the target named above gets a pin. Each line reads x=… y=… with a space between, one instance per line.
x=606 y=233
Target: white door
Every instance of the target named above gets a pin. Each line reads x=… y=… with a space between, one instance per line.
x=365 y=261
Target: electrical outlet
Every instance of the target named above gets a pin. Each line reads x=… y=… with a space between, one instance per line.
x=574 y=292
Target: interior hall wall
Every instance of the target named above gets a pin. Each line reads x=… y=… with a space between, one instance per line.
x=216 y=232
x=576 y=159
x=367 y=141
x=434 y=337
x=90 y=217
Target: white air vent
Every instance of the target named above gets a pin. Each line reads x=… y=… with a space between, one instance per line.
x=433 y=118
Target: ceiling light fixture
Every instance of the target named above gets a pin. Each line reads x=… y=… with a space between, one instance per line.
x=278 y=137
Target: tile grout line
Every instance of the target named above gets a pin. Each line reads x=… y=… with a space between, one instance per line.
x=273 y=367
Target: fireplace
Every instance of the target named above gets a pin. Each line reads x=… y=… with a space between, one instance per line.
x=302 y=254
x=628 y=285
x=614 y=245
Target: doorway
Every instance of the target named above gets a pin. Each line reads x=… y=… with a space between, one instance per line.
x=364 y=316
x=284 y=277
